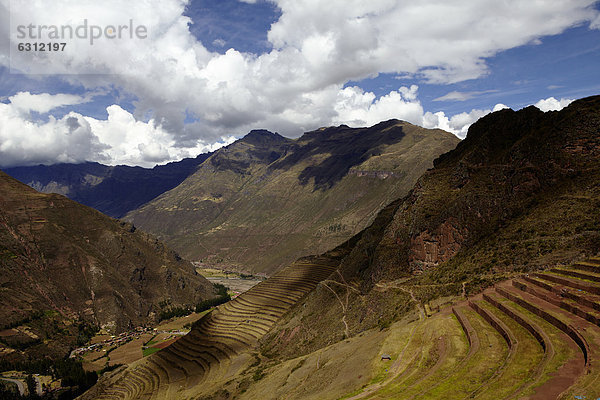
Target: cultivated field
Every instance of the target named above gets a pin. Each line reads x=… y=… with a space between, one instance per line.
x=143 y=345
x=535 y=337
x=236 y=283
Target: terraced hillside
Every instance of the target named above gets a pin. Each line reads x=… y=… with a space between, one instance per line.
x=219 y=339
x=534 y=337
x=518 y=194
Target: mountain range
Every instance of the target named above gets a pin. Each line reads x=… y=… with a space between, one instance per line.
x=521 y=192
x=396 y=311
x=262 y=201
x=112 y=190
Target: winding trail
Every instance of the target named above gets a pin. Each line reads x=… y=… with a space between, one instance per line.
x=343 y=304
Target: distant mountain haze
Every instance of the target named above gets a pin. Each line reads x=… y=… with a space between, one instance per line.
x=112 y=190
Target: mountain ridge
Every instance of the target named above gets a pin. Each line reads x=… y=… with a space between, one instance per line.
x=113 y=190
x=519 y=193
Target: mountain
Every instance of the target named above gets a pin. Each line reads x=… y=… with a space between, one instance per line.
x=520 y=193
x=66 y=266
x=397 y=310
x=265 y=200
x=112 y=190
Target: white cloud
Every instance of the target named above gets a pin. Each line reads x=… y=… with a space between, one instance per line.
x=317 y=48
x=462 y=96
x=358 y=108
x=595 y=24
x=44 y=102
x=123 y=139
x=552 y=104
x=120 y=139
x=23 y=142
x=219 y=42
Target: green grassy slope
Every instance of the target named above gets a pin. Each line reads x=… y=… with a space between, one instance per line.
x=521 y=192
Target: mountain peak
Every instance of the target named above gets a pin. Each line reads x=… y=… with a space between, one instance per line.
x=263 y=136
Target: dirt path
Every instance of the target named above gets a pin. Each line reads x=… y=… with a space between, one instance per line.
x=394 y=370
x=389 y=285
x=343 y=304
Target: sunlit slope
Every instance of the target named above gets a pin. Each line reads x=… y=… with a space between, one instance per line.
x=529 y=338
x=525 y=338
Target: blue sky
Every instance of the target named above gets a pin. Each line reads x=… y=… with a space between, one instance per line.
x=211 y=70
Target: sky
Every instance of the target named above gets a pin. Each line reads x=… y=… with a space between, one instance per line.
x=145 y=82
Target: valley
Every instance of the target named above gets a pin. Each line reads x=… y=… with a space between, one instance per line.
x=237 y=283
x=300 y=200
x=221 y=337
x=266 y=200
x=480 y=283
x=477 y=276
x=105 y=350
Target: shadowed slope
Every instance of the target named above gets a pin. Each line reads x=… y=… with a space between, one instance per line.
x=113 y=190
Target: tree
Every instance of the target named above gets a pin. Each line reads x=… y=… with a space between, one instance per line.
x=31 y=386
